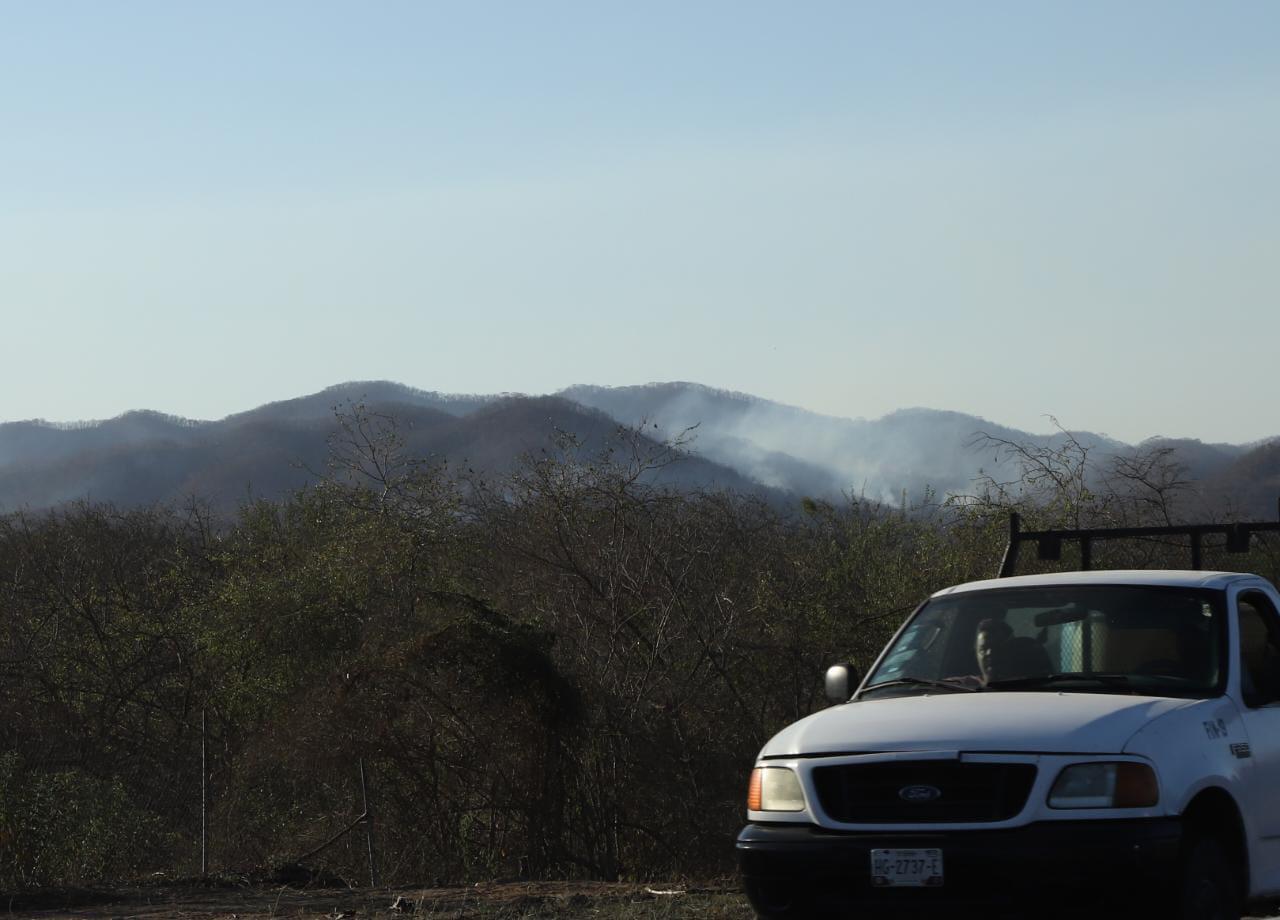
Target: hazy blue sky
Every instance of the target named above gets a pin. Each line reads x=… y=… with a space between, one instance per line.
x=1009 y=209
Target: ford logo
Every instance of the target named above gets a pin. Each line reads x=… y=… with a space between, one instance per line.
x=919 y=793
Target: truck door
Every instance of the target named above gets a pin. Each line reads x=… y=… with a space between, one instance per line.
x=1258 y=662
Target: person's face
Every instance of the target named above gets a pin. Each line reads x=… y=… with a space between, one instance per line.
x=983 y=647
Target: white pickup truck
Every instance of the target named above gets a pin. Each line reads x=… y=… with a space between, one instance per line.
x=1087 y=740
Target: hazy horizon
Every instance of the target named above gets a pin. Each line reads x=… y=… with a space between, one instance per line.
x=1049 y=426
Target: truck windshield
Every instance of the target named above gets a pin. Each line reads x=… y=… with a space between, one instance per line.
x=1149 y=640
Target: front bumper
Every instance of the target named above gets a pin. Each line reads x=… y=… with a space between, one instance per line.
x=804 y=870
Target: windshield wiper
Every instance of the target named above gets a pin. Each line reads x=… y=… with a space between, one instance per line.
x=1110 y=681
x=921 y=682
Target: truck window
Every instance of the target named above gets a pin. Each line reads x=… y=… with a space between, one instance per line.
x=1160 y=641
x=1259 y=650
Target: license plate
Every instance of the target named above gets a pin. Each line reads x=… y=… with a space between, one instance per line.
x=906 y=868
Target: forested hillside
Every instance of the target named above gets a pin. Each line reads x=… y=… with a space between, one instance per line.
x=562 y=670
x=727 y=440
x=144 y=458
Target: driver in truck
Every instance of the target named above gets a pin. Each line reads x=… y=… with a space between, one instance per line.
x=991 y=638
x=990 y=641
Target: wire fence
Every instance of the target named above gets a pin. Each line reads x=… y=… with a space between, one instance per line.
x=76 y=817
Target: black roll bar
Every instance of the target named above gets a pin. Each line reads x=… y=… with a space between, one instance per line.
x=1049 y=542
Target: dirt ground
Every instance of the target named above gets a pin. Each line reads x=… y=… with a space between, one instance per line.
x=491 y=901
x=719 y=900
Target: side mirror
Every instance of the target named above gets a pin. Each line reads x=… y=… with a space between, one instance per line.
x=840 y=682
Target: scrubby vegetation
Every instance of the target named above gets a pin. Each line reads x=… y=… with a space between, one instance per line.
x=565 y=672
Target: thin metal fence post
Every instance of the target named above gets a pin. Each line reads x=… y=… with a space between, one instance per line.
x=204 y=798
x=368 y=827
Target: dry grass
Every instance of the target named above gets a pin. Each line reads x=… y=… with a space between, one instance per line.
x=494 y=901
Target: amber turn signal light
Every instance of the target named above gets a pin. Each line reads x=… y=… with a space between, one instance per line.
x=754 y=789
x=1136 y=786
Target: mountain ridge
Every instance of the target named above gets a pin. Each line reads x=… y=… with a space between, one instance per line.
x=733 y=440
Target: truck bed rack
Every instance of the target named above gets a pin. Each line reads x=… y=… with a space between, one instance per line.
x=1049 y=542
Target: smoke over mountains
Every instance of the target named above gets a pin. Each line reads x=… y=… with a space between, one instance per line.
x=731 y=440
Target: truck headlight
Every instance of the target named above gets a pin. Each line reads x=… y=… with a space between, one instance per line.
x=1105 y=785
x=774 y=789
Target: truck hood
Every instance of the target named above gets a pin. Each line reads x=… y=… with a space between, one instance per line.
x=1063 y=723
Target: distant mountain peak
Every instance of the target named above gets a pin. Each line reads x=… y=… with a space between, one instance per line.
x=739 y=439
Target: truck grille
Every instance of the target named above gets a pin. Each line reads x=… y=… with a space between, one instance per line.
x=874 y=793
